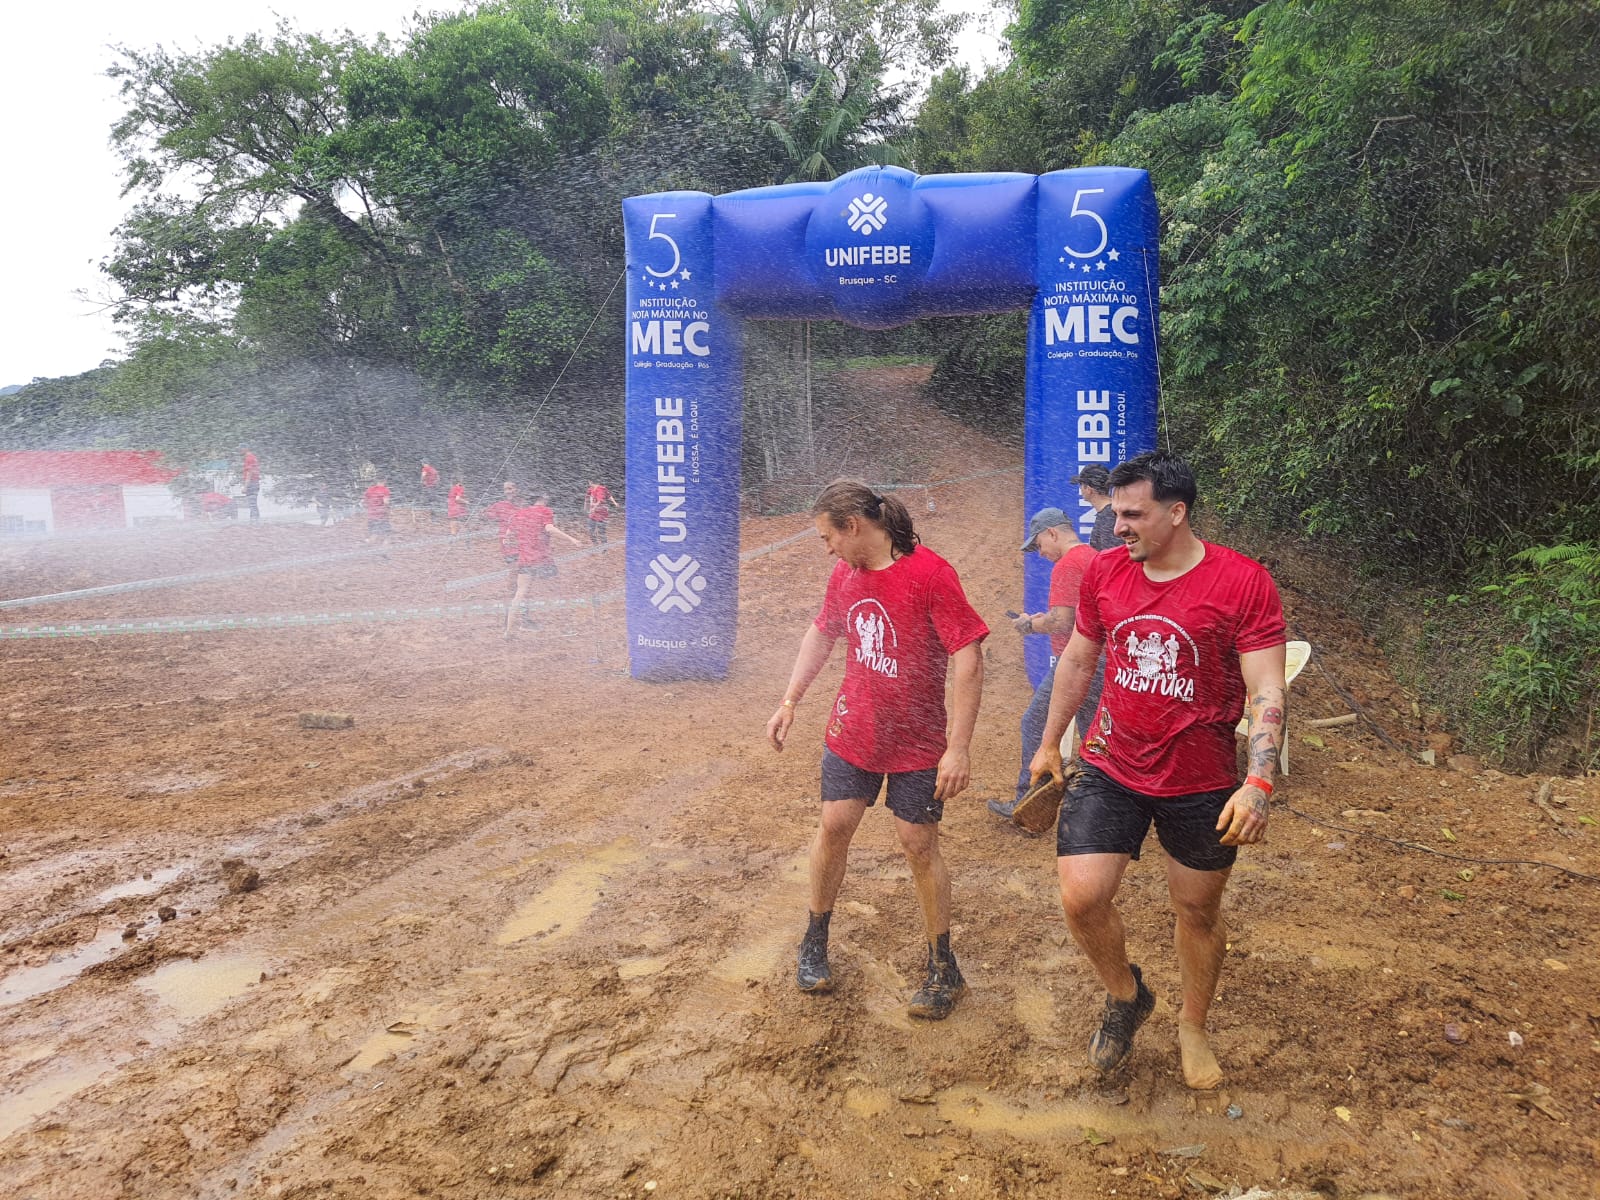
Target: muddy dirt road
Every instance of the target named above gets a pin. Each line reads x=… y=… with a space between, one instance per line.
x=527 y=928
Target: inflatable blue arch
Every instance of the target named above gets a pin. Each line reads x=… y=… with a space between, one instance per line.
x=875 y=248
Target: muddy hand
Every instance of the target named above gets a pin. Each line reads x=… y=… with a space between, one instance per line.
x=1046 y=761
x=955 y=772
x=778 y=727
x=1244 y=817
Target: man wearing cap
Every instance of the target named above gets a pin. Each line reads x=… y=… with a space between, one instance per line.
x=1094 y=487
x=1051 y=535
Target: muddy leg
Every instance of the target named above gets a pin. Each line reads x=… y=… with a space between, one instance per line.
x=1201 y=940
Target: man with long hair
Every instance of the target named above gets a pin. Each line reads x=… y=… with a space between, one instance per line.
x=906 y=622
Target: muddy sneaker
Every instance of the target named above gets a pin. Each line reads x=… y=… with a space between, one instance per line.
x=937 y=996
x=1003 y=808
x=813 y=974
x=1112 y=1041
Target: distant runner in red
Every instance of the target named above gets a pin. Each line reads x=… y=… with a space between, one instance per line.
x=252 y=484
x=902 y=612
x=377 y=501
x=598 y=503
x=1193 y=635
x=502 y=511
x=532 y=527
x=429 y=485
x=456 y=506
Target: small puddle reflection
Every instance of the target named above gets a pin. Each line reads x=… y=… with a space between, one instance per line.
x=24 y=1107
x=395 y=1037
x=756 y=960
x=195 y=989
x=141 y=887
x=61 y=970
x=377 y=1048
x=558 y=910
x=974 y=1109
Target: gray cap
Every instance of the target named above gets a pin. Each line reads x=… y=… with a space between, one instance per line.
x=1045 y=518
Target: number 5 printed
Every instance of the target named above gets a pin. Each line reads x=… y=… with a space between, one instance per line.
x=1079 y=211
x=677 y=259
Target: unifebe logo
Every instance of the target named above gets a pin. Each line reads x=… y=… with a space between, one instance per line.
x=675 y=583
x=868 y=214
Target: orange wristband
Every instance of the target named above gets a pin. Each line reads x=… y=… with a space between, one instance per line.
x=1257 y=781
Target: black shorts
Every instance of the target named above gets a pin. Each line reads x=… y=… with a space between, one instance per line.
x=910 y=793
x=1100 y=816
x=538 y=570
x=378 y=525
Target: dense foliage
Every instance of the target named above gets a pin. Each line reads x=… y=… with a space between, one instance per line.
x=1380 y=246
x=1381 y=243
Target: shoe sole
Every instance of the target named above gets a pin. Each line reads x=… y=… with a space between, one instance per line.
x=820 y=986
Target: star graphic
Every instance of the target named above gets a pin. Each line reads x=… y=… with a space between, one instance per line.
x=1113 y=255
x=1061 y=260
x=674 y=285
x=1101 y=265
x=684 y=274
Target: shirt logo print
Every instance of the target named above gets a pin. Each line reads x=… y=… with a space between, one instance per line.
x=871 y=624
x=1153 y=657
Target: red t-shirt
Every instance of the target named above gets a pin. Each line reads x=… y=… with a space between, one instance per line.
x=503 y=511
x=1066 y=579
x=1173 y=692
x=533 y=541
x=430 y=476
x=377 y=502
x=456 y=502
x=599 y=503
x=902 y=624
x=252 y=468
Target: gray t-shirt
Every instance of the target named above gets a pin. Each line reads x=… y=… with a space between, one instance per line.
x=1103 y=536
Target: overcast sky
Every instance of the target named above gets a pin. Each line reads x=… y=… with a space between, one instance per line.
x=59 y=199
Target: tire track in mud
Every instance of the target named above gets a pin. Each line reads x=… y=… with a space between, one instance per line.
x=446 y=891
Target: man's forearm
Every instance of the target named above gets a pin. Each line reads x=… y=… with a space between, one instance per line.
x=1268 y=712
x=815 y=647
x=966 y=694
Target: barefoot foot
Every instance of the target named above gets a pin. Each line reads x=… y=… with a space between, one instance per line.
x=1200 y=1068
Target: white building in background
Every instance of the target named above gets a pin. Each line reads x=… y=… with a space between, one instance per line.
x=77 y=491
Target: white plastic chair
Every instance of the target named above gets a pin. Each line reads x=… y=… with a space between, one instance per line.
x=1295 y=657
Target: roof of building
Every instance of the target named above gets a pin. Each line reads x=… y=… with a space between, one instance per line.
x=81 y=468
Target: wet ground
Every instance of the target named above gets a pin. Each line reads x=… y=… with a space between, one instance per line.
x=527 y=927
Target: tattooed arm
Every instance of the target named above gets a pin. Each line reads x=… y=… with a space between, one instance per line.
x=1244 y=817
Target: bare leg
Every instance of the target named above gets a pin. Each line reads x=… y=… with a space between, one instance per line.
x=1202 y=941
x=831 y=849
x=1089 y=885
x=521 y=595
x=928 y=872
